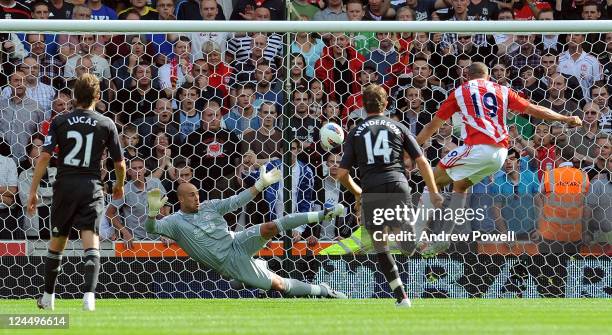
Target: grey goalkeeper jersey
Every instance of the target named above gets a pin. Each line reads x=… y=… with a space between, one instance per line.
x=204 y=235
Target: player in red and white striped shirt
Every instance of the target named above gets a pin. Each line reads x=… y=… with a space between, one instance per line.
x=483 y=106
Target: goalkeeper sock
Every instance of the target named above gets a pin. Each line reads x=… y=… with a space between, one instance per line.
x=296 y=288
x=92 y=268
x=53 y=266
x=292 y=221
x=386 y=265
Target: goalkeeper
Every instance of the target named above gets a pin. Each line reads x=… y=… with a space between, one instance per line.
x=199 y=228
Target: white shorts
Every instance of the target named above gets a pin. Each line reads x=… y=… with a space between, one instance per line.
x=473 y=162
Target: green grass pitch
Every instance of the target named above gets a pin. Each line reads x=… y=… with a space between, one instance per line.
x=325 y=316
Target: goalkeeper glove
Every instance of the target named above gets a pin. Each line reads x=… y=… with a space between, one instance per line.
x=155 y=201
x=267 y=178
x=333 y=211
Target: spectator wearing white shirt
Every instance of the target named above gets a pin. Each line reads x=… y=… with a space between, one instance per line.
x=19 y=116
x=209 y=11
x=9 y=228
x=41 y=93
x=172 y=74
x=89 y=46
x=576 y=62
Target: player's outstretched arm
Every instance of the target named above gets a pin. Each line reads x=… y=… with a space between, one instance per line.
x=164 y=227
x=266 y=178
x=548 y=114
x=39 y=172
x=429 y=130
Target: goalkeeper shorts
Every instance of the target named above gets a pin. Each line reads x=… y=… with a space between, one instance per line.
x=242 y=266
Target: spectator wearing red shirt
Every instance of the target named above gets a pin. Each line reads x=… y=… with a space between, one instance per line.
x=219 y=73
x=200 y=79
x=339 y=67
x=354 y=103
x=530 y=9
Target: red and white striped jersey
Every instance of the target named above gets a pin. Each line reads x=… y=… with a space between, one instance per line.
x=483 y=106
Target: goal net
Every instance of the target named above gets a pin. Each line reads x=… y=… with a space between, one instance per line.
x=207 y=104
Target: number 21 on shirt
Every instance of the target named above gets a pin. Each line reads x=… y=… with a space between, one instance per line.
x=78 y=145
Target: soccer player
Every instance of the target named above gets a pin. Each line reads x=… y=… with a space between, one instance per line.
x=81 y=137
x=482 y=106
x=200 y=230
x=377 y=147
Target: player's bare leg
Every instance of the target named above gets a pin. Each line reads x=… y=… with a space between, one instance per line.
x=441 y=177
x=53 y=265
x=91 y=247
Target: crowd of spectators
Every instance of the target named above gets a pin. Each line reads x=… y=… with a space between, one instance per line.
x=206 y=107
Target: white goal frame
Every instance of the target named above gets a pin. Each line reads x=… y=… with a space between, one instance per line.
x=123 y=26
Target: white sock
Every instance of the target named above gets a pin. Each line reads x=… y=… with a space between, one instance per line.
x=315 y=290
x=296 y=288
x=89 y=296
x=48 y=297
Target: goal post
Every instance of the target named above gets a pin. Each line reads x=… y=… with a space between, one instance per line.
x=135 y=26
x=210 y=102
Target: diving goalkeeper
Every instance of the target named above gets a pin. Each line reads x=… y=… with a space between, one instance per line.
x=199 y=228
